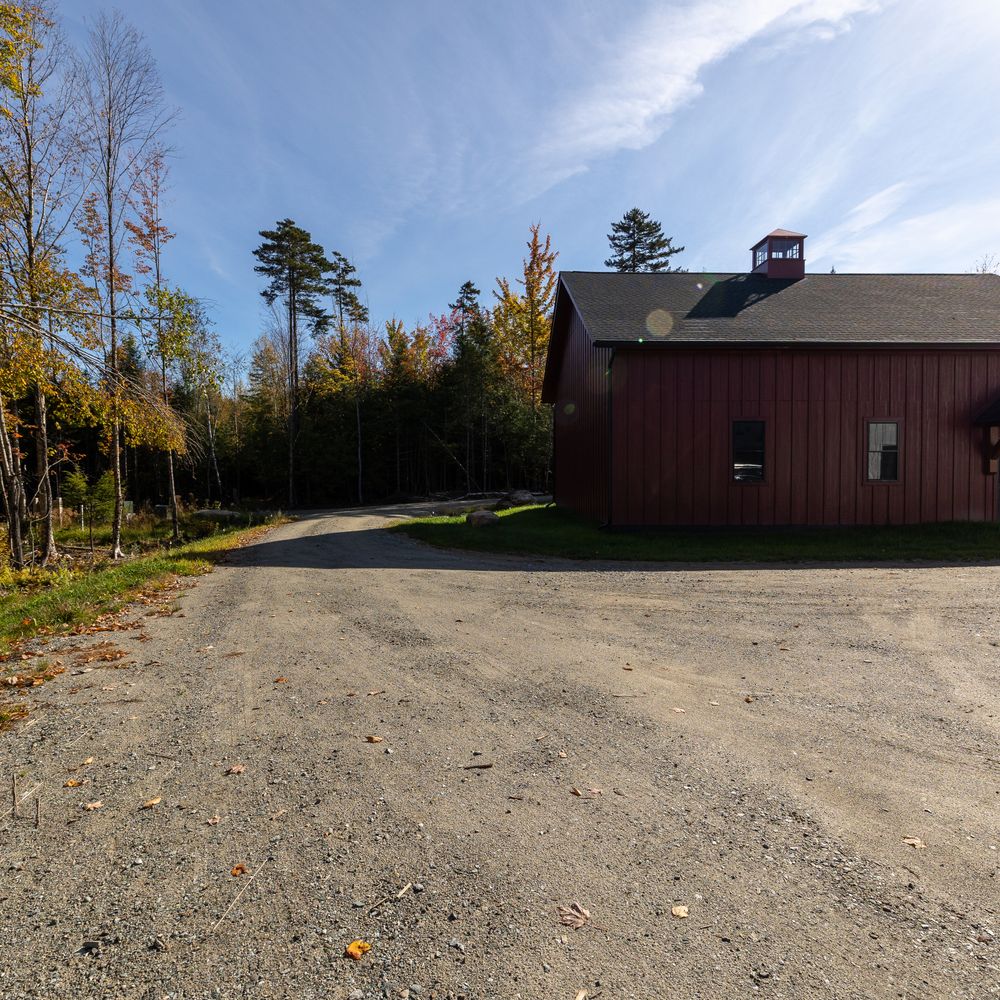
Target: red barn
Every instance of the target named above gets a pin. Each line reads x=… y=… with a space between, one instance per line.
x=776 y=397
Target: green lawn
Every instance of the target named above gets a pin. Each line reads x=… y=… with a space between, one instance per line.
x=551 y=531
x=44 y=601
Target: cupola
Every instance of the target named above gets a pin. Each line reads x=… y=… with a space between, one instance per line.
x=780 y=254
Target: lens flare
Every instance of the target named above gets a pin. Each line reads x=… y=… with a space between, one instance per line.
x=659 y=323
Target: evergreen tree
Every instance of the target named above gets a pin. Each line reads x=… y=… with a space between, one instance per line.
x=343 y=280
x=297 y=270
x=638 y=244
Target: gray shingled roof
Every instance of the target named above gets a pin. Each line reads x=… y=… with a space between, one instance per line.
x=747 y=309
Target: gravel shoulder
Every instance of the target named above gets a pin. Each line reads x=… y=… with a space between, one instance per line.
x=755 y=744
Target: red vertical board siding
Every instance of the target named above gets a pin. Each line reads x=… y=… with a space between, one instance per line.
x=963 y=424
x=580 y=425
x=929 y=438
x=850 y=439
x=672 y=436
x=912 y=421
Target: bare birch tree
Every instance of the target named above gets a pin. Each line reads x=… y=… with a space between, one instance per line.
x=123 y=114
x=40 y=155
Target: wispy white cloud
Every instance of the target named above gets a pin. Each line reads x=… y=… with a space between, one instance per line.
x=657 y=70
x=949 y=239
x=861 y=219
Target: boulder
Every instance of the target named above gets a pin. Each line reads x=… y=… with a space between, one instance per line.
x=502 y=505
x=481 y=518
x=522 y=497
x=220 y=516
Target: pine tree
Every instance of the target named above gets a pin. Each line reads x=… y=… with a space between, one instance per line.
x=343 y=280
x=638 y=244
x=297 y=270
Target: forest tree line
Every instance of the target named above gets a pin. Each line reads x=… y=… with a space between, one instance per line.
x=114 y=385
x=113 y=380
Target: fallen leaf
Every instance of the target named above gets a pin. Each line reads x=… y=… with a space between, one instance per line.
x=915 y=842
x=280 y=680
x=563 y=754
x=374 y=739
x=628 y=668
x=680 y=711
x=238 y=870
x=749 y=698
x=236 y=768
x=575 y=791
x=214 y=821
x=91 y=806
x=371 y=694
x=574 y=915
x=149 y=803
x=72 y=783
x=714 y=703
x=581 y=995
x=357 y=949
x=680 y=912
x=89 y=760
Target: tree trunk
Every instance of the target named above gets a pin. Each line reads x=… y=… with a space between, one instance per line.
x=173 y=497
x=12 y=489
x=44 y=481
x=293 y=400
x=116 y=430
x=211 y=445
x=357 y=419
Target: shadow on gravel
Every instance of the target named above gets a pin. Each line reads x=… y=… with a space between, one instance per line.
x=356 y=544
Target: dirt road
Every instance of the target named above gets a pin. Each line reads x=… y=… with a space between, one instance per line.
x=754 y=744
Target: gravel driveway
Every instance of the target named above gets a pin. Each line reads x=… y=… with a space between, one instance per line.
x=753 y=744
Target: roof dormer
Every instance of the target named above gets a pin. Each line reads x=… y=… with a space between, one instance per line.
x=780 y=254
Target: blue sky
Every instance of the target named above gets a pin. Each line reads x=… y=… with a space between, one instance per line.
x=422 y=137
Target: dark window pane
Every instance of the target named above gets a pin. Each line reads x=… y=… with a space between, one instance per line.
x=883 y=451
x=748 y=451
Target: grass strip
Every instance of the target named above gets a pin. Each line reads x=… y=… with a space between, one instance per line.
x=552 y=531
x=48 y=601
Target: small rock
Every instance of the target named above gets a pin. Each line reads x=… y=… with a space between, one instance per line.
x=481 y=519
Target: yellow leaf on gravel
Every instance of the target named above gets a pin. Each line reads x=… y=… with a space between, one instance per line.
x=374 y=739
x=581 y=995
x=238 y=870
x=680 y=912
x=91 y=806
x=357 y=949
x=280 y=680
x=236 y=769
x=149 y=803
x=72 y=783
x=89 y=760
x=914 y=842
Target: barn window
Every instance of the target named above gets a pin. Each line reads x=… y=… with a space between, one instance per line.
x=748 y=451
x=883 y=451
x=782 y=248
